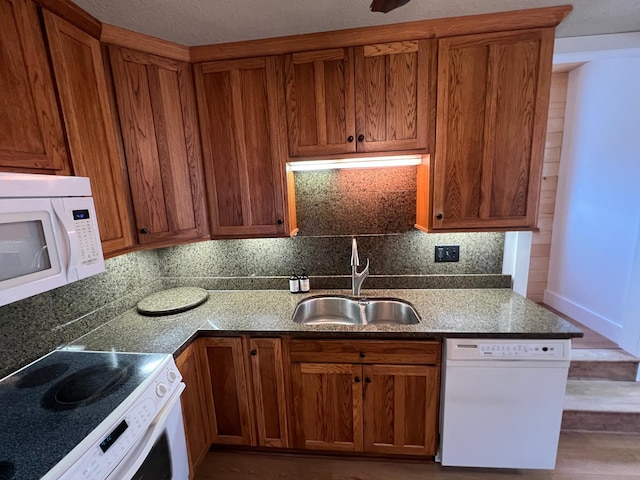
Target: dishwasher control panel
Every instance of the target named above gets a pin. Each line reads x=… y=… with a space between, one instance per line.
x=470 y=349
x=527 y=350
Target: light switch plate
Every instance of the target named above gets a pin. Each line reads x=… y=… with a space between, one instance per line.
x=447 y=253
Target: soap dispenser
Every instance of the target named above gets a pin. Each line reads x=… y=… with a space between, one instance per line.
x=294 y=283
x=304 y=282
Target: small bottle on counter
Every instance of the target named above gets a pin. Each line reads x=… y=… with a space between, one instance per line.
x=304 y=282
x=294 y=283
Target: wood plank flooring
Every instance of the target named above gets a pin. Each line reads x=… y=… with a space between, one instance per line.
x=581 y=456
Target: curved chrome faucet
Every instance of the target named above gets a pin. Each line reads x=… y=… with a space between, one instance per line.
x=357 y=277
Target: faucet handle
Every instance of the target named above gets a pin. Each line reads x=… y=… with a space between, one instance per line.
x=355 y=260
x=366 y=269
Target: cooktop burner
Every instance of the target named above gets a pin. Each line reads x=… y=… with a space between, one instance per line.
x=84 y=387
x=42 y=375
x=50 y=406
x=7 y=470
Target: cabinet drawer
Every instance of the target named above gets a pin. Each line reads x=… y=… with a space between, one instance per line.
x=366 y=351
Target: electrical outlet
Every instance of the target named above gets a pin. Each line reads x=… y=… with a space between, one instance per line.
x=447 y=253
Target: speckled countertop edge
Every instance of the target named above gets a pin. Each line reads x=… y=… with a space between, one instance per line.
x=474 y=313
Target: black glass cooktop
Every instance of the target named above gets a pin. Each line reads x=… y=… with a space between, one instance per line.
x=49 y=407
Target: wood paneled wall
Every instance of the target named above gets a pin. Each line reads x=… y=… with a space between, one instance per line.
x=541 y=241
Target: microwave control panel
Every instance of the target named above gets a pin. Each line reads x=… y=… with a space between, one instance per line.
x=86 y=237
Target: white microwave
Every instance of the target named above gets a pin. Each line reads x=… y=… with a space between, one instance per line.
x=48 y=234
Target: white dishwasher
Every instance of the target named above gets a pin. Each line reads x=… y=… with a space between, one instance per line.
x=502 y=402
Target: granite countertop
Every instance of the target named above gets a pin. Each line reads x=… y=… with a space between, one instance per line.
x=495 y=313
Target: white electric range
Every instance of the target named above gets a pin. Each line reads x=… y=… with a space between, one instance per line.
x=93 y=415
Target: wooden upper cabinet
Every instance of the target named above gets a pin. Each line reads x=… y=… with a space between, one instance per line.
x=241 y=115
x=320 y=102
x=227 y=391
x=80 y=75
x=31 y=136
x=372 y=98
x=159 y=126
x=493 y=94
x=395 y=95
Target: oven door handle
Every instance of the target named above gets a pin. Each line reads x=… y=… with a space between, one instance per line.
x=136 y=457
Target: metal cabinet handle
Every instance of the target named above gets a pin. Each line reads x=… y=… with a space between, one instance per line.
x=144 y=230
x=362 y=354
x=367 y=380
x=279 y=222
x=253 y=353
x=350 y=138
x=361 y=138
x=439 y=216
x=357 y=379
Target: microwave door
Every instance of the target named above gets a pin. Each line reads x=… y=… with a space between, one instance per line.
x=23 y=248
x=30 y=261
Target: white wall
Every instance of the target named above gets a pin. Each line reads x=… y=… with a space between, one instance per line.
x=515 y=261
x=594 y=272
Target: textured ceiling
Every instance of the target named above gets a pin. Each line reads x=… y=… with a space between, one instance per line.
x=200 y=22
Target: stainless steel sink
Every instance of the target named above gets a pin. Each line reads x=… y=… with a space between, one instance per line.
x=328 y=310
x=390 y=311
x=335 y=310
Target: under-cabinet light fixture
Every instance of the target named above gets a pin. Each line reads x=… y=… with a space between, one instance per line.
x=365 y=162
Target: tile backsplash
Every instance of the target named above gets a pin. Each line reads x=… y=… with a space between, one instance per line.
x=411 y=253
x=377 y=206
x=31 y=327
x=356 y=201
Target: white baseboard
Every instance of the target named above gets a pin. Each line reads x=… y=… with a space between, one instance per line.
x=590 y=319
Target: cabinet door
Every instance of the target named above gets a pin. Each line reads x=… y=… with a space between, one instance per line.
x=320 y=102
x=160 y=132
x=80 y=75
x=400 y=409
x=240 y=107
x=327 y=404
x=267 y=375
x=227 y=391
x=395 y=95
x=30 y=129
x=493 y=94
x=194 y=409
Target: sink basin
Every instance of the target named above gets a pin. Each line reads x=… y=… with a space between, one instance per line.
x=334 y=310
x=328 y=310
x=390 y=311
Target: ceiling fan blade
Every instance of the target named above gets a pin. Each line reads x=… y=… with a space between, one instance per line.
x=385 y=6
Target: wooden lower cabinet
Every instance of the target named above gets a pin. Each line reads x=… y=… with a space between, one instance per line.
x=327 y=400
x=245 y=389
x=385 y=407
x=267 y=378
x=400 y=409
x=194 y=411
x=227 y=391
x=263 y=392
